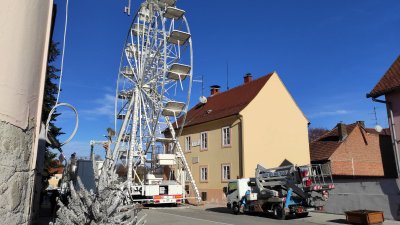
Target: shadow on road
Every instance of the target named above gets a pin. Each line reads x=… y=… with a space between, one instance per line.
x=266 y=215
x=220 y=210
x=339 y=221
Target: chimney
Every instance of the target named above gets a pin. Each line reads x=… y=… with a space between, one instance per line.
x=214 y=89
x=247 y=78
x=342 y=131
x=361 y=123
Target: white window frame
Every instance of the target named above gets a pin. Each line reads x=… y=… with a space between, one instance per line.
x=226 y=172
x=226 y=136
x=204 y=173
x=203 y=141
x=188 y=143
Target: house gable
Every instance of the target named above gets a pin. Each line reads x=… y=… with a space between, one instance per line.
x=389 y=82
x=274 y=129
x=358 y=155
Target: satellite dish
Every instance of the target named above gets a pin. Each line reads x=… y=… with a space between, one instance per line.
x=378 y=128
x=203 y=99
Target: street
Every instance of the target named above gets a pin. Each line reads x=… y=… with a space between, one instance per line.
x=220 y=215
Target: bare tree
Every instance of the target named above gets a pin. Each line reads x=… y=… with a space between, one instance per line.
x=315 y=133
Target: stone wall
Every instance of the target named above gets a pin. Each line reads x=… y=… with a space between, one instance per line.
x=381 y=194
x=15 y=174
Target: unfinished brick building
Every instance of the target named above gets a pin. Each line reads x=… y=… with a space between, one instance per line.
x=354 y=150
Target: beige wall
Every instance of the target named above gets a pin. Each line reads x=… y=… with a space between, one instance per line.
x=54 y=180
x=274 y=129
x=24 y=38
x=216 y=154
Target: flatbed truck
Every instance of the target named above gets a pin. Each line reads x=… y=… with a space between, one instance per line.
x=281 y=191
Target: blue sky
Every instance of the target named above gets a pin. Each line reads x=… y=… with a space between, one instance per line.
x=329 y=54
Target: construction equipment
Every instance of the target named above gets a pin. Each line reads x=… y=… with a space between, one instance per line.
x=282 y=191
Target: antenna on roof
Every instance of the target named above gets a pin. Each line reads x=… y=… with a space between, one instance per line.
x=378 y=128
x=375 y=117
x=227 y=75
x=202 y=99
x=127 y=8
x=202 y=85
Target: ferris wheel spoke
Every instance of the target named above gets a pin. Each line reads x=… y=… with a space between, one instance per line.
x=145 y=112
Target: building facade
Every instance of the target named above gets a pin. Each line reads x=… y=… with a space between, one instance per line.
x=354 y=150
x=389 y=86
x=257 y=122
x=24 y=43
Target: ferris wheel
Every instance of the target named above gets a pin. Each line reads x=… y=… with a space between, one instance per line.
x=153 y=93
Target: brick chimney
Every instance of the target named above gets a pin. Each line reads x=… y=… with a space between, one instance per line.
x=214 y=89
x=247 y=78
x=342 y=131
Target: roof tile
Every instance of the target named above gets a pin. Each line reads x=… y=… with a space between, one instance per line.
x=226 y=103
x=389 y=82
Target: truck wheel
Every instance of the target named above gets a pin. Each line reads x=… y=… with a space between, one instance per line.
x=279 y=212
x=235 y=209
x=302 y=215
x=229 y=206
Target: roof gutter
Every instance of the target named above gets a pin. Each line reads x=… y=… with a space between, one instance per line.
x=392 y=130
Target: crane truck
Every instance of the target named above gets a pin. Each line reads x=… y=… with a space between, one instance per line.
x=281 y=191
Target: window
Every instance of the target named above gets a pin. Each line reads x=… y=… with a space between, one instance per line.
x=203 y=174
x=226 y=136
x=203 y=141
x=188 y=142
x=187 y=189
x=232 y=186
x=226 y=172
x=204 y=196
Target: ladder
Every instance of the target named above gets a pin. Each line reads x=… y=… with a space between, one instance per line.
x=185 y=164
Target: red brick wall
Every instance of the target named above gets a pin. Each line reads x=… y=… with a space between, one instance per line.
x=357 y=156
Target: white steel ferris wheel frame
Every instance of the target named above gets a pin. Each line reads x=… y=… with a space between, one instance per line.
x=154 y=86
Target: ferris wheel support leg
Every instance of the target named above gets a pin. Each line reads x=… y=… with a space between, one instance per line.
x=133 y=136
x=185 y=164
x=122 y=130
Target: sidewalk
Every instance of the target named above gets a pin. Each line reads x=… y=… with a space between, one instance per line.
x=334 y=219
x=314 y=217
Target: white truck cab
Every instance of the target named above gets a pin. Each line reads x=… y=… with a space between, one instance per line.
x=235 y=191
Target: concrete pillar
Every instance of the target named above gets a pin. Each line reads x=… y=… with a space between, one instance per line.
x=24 y=41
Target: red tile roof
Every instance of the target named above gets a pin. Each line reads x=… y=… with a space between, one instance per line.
x=323 y=147
x=226 y=103
x=389 y=82
x=56 y=170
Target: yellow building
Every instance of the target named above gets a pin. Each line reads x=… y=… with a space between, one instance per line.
x=257 y=122
x=54 y=180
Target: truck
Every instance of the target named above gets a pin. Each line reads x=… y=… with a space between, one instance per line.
x=281 y=191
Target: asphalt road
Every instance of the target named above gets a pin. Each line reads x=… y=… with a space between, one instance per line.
x=210 y=216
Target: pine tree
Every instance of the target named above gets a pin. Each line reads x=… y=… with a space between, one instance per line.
x=49 y=101
x=108 y=206
x=50 y=91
